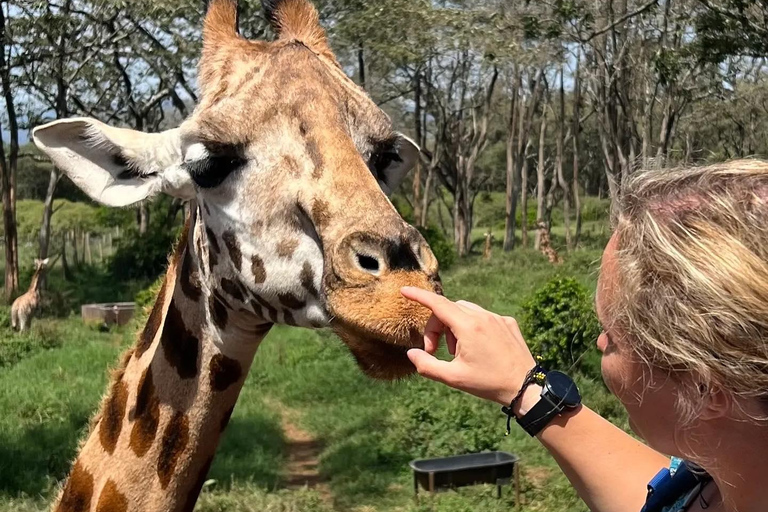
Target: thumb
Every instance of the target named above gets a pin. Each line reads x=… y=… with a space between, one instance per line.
x=431 y=367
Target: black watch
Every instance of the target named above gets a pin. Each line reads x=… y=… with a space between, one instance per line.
x=559 y=394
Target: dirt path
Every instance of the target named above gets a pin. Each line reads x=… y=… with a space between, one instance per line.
x=302 y=469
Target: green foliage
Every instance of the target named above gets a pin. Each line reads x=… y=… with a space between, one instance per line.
x=559 y=322
x=14 y=346
x=142 y=256
x=437 y=422
x=146 y=296
x=443 y=250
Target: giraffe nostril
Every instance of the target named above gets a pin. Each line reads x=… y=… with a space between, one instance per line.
x=368 y=263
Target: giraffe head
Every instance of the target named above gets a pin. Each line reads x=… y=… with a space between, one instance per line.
x=41 y=265
x=288 y=165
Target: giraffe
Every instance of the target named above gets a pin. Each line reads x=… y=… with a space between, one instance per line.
x=25 y=305
x=488 y=245
x=545 y=244
x=286 y=165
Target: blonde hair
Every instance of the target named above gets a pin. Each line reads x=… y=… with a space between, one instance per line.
x=693 y=277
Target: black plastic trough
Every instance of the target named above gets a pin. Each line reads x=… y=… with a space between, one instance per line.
x=497 y=468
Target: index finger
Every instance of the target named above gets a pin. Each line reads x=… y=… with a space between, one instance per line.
x=450 y=314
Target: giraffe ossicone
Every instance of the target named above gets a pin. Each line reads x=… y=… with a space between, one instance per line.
x=286 y=164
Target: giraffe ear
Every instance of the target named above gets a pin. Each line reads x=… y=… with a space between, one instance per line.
x=115 y=166
x=404 y=159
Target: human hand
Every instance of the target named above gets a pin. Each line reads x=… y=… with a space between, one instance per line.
x=491 y=358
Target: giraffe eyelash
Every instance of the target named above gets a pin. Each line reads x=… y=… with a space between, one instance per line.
x=211 y=170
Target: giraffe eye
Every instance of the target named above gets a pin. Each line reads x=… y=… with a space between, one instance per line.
x=211 y=170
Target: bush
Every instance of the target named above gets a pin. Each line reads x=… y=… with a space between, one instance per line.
x=15 y=346
x=560 y=324
x=443 y=250
x=433 y=421
x=145 y=298
x=142 y=256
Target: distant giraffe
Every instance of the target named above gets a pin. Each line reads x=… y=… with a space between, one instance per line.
x=488 y=243
x=286 y=164
x=25 y=306
x=545 y=244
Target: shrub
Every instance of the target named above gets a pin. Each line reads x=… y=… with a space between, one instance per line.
x=443 y=250
x=560 y=324
x=434 y=421
x=146 y=297
x=142 y=256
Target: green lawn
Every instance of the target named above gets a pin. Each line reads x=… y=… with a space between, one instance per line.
x=369 y=430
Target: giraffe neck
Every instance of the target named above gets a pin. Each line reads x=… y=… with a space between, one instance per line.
x=152 y=443
x=35 y=281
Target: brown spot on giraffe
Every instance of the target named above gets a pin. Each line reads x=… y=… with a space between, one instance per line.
x=307 y=278
x=111 y=499
x=112 y=416
x=290 y=164
x=218 y=307
x=153 y=322
x=78 y=491
x=271 y=310
x=232 y=289
x=257 y=267
x=287 y=247
x=288 y=318
x=190 y=279
x=313 y=151
x=146 y=415
x=181 y=347
x=290 y=301
x=224 y=371
x=174 y=441
x=213 y=242
x=320 y=213
x=233 y=246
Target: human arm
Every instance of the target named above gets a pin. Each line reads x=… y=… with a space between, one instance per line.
x=608 y=468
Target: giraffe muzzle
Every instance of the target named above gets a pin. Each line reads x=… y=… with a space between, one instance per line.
x=362 y=286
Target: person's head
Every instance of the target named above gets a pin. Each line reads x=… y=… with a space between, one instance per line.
x=683 y=298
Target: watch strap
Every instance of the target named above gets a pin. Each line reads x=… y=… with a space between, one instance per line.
x=540 y=415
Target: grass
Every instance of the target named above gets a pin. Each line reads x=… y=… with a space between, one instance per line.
x=51 y=382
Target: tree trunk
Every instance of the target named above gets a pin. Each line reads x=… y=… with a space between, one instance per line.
x=64 y=263
x=425 y=198
x=513 y=182
x=576 y=129
x=8 y=169
x=560 y=158
x=417 y=171
x=62 y=111
x=524 y=202
x=540 y=168
x=143 y=218
x=75 y=254
x=361 y=64
x=87 y=248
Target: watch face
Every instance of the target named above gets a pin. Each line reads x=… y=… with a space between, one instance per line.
x=563 y=388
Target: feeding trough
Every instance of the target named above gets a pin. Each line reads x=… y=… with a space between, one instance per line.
x=498 y=468
x=114 y=313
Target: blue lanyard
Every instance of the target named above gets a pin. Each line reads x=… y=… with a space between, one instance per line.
x=668 y=486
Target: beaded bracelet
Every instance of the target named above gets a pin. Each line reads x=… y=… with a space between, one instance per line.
x=534 y=376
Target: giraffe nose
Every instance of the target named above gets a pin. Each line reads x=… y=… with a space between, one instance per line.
x=377 y=255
